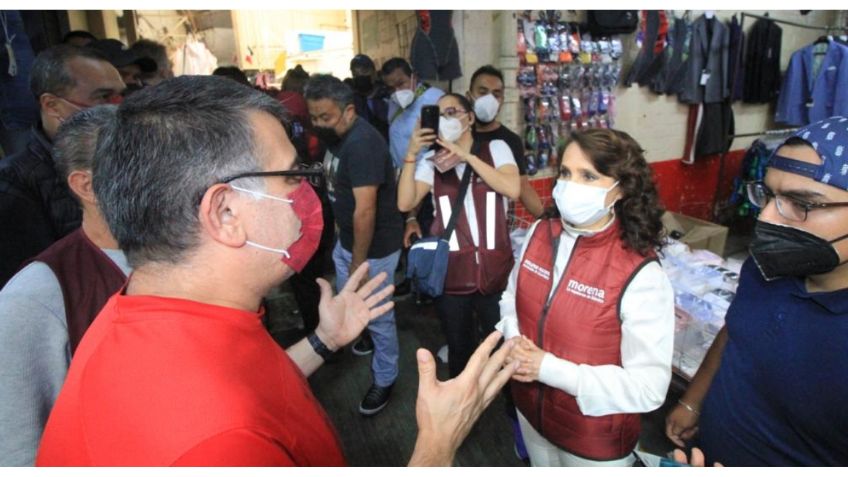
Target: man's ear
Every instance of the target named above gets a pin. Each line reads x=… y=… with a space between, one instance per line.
x=221 y=215
x=50 y=104
x=80 y=184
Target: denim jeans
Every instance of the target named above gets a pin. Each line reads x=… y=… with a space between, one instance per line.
x=384 y=364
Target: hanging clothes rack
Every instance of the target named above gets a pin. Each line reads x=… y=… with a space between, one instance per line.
x=826 y=29
x=771 y=132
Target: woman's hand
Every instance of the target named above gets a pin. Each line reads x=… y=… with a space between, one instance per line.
x=420 y=138
x=529 y=357
x=454 y=149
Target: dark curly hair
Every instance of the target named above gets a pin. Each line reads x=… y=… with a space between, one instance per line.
x=616 y=154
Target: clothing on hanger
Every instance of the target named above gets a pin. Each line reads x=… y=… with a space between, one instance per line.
x=707 y=73
x=434 y=54
x=814 y=87
x=762 y=62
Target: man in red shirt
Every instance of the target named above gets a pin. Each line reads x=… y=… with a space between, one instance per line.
x=198 y=182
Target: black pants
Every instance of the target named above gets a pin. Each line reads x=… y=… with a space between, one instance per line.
x=462 y=331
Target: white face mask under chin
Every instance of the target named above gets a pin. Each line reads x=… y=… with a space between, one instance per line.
x=256 y=194
x=581 y=205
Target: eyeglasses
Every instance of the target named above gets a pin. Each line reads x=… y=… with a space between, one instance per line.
x=113 y=99
x=789 y=208
x=313 y=173
x=452 y=112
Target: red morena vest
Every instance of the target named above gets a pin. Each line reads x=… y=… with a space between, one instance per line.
x=581 y=323
x=471 y=269
x=87 y=276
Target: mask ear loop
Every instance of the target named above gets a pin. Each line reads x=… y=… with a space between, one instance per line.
x=254 y=193
x=281 y=251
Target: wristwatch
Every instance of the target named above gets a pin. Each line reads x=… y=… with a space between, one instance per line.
x=319 y=347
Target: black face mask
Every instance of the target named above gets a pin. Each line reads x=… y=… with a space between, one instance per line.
x=781 y=251
x=362 y=84
x=327 y=135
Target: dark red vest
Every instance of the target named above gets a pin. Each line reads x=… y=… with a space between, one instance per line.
x=484 y=268
x=582 y=324
x=88 y=278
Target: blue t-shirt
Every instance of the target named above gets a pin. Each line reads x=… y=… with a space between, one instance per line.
x=780 y=396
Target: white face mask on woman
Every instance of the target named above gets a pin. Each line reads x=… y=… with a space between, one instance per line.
x=450 y=129
x=581 y=204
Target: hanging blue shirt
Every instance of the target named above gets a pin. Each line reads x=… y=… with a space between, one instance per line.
x=401 y=124
x=779 y=396
x=806 y=98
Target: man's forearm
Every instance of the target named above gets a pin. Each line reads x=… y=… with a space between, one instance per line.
x=702 y=380
x=431 y=452
x=306 y=359
x=530 y=199
x=363 y=233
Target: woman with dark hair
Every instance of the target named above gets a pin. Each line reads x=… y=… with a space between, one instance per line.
x=480 y=254
x=590 y=308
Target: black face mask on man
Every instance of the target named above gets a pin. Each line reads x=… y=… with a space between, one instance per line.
x=328 y=136
x=782 y=251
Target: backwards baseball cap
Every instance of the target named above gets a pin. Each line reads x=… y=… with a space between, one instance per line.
x=119 y=55
x=829 y=138
x=362 y=61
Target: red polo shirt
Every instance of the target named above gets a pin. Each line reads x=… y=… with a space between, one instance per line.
x=162 y=381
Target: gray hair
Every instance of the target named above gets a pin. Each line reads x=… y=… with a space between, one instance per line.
x=49 y=72
x=328 y=87
x=75 y=143
x=168 y=145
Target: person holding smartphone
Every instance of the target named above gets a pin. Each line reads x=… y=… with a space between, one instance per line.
x=480 y=251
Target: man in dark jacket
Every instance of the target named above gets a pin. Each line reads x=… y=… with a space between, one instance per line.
x=36 y=208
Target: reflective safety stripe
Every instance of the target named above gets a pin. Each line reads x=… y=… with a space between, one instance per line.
x=490 y=220
x=445 y=207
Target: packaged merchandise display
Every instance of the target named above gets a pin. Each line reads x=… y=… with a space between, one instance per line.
x=704 y=286
x=566 y=82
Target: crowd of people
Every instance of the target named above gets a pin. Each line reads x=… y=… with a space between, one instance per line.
x=148 y=216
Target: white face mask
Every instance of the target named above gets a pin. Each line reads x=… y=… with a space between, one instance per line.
x=581 y=204
x=486 y=108
x=257 y=195
x=450 y=129
x=403 y=97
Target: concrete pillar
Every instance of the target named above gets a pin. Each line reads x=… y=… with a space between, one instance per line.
x=507 y=61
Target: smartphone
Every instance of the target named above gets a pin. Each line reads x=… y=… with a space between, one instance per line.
x=430 y=119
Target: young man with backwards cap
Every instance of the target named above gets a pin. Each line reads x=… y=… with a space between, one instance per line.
x=772 y=388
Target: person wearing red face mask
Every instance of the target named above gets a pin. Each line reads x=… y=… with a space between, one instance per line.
x=36 y=207
x=205 y=197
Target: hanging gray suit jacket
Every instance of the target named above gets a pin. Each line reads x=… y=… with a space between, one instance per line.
x=711 y=53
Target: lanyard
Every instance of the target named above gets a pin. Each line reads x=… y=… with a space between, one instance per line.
x=13 y=64
x=418 y=92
